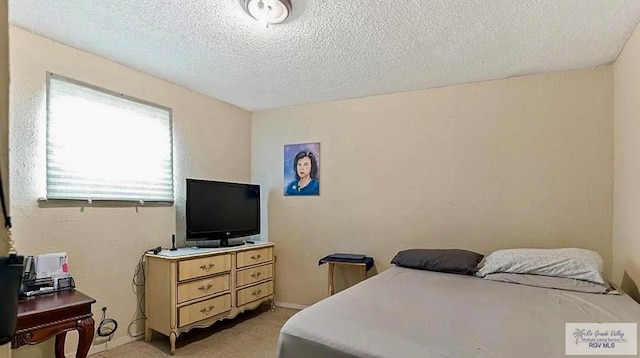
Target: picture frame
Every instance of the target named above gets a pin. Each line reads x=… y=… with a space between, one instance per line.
x=302 y=169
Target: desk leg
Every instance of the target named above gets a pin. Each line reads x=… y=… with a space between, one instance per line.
x=85 y=336
x=60 y=338
x=332 y=288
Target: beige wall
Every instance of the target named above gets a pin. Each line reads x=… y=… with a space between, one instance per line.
x=211 y=140
x=524 y=162
x=626 y=226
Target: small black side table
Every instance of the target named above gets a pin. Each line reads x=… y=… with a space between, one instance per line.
x=365 y=264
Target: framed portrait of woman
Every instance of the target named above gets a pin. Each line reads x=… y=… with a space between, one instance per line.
x=302 y=169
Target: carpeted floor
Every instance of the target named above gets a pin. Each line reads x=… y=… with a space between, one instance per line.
x=251 y=334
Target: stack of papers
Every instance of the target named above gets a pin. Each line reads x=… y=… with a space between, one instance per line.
x=53 y=266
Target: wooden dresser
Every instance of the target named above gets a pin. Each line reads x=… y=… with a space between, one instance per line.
x=192 y=288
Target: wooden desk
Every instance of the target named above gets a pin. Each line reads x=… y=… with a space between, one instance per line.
x=54 y=314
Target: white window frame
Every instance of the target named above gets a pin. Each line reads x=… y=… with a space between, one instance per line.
x=49 y=77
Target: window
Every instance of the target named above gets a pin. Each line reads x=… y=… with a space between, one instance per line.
x=105 y=146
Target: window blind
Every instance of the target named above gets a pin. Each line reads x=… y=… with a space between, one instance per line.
x=105 y=146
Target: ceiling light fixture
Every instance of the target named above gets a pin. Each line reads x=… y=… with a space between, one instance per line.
x=267 y=11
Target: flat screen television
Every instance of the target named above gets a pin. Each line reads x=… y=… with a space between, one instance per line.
x=221 y=211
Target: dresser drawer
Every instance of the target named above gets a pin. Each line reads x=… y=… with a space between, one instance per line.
x=254 y=274
x=253 y=293
x=254 y=257
x=197 y=289
x=203 y=310
x=205 y=266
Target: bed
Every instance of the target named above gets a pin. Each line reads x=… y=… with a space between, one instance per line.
x=405 y=312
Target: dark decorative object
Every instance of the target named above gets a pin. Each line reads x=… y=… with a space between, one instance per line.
x=10 y=274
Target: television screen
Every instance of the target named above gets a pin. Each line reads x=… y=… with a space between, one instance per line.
x=221 y=210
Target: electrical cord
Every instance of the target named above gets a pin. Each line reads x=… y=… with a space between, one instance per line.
x=107 y=326
x=137 y=285
x=139 y=270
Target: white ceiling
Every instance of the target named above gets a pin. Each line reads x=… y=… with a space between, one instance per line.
x=336 y=49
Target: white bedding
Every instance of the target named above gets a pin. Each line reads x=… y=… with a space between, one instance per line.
x=411 y=313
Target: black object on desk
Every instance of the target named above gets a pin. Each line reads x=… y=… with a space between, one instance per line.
x=365 y=263
x=365 y=260
x=173 y=243
x=347 y=256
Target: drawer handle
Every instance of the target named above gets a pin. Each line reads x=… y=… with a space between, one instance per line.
x=256 y=293
x=205 y=289
x=207 y=267
x=256 y=257
x=256 y=274
x=207 y=311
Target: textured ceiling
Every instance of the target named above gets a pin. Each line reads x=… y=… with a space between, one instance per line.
x=336 y=49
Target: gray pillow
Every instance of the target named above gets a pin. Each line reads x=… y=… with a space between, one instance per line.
x=560 y=283
x=442 y=260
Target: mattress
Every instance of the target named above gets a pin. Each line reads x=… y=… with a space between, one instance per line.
x=411 y=313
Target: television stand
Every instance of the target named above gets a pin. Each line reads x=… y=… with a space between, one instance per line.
x=188 y=289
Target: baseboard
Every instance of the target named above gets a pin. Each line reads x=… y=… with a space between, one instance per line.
x=104 y=346
x=293 y=306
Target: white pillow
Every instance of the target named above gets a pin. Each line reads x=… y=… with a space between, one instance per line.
x=580 y=264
